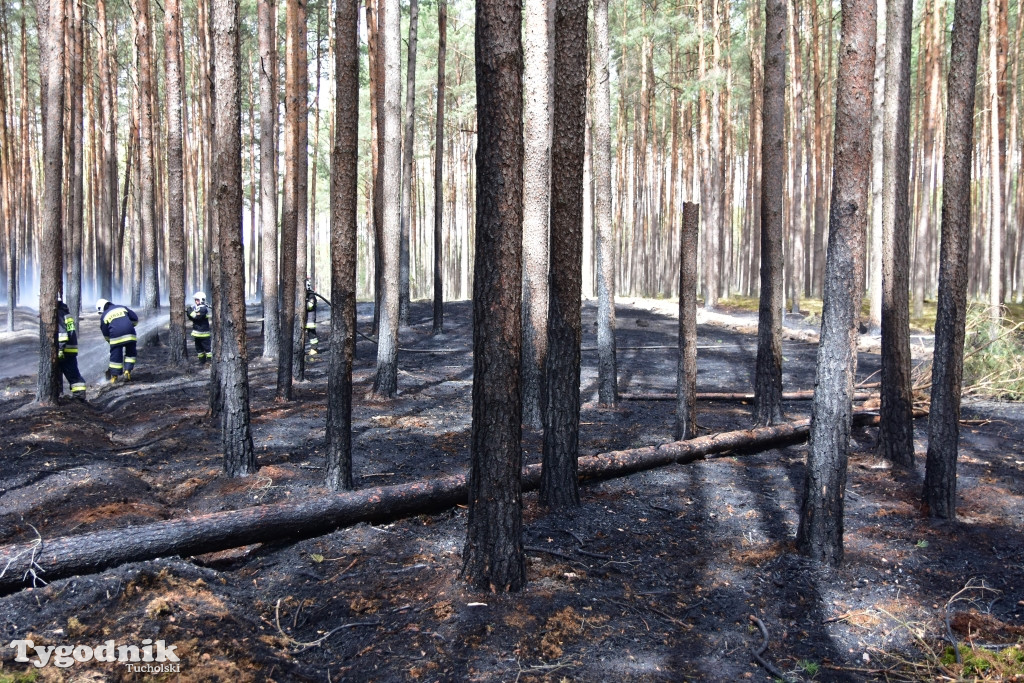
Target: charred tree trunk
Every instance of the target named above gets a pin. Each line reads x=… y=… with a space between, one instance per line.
x=442 y=44
x=493 y=554
x=606 y=367
x=559 y=483
x=344 y=206
x=896 y=435
x=820 y=535
x=768 y=378
x=236 y=437
x=175 y=182
x=686 y=373
x=407 y=149
x=48 y=379
x=947 y=367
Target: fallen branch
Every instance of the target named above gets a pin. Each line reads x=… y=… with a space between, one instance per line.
x=805 y=395
x=93 y=552
x=756 y=654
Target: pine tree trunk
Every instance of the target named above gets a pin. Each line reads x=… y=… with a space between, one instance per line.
x=442 y=44
x=407 y=149
x=606 y=368
x=768 y=374
x=686 y=371
x=820 y=535
x=76 y=198
x=877 y=157
x=896 y=434
x=268 y=177
x=493 y=554
x=559 y=484
x=236 y=437
x=537 y=140
x=344 y=206
x=997 y=123
x=385 y=381
x=146 y=210
x=175 y=182
x=947 y=366
x=301 y=179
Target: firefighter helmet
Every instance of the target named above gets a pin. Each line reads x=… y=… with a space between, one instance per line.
x=200 y=297
x=101 y=305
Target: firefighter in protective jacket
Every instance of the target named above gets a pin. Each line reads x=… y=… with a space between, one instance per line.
x=117 y=323
x=310 y=322
x=200 y=317
x=67 y=350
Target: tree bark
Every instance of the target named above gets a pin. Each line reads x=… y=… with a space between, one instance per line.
x=493 y=554
x=48 y=378
x=344 y=206
x=385 y=381
x=877 y=159
x=175 y=182
x=559 y=484
x=442 y=44
x=896 y=436
x=997 y=123
x=93 y=552
x=76 y=197
x=820 y=535
x=768 y=375
x=686 y=368
x=606 y=368
x=538 y=89
x=146 y=211
x=268 y=177
x=407 y=149
x=947 y=366
x=236 y=437
x=301 y=179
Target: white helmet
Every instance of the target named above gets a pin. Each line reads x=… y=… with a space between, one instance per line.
x=200 y=297
x=101 y=305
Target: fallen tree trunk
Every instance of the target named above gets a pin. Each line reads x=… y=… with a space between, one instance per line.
x=23 y=565
x=805 y=395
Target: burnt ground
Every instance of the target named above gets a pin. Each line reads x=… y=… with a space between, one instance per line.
x=655 y=578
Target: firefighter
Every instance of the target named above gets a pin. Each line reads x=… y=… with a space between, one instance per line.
x=200 y=317
x=67 y=350
x=117 y=323
x=310 y=320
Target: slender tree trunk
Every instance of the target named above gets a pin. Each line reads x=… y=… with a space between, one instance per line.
x=175 y=182
x=686 y=371
x=76 y=198
x=48 y=379
x=236 y=437
x=493 y=554
x=947 y=366
x=407 y=149
x=768 y=375
x=268 y=177
x=559 y=484
x=146 y=211
x=896 y=433
x=344 y=205
x=106 y=248
x=375 y=58
x=301 y=179
x=289 y=210
x=385 y=381
x=537 y=140
x=820 y=535
x=442 y=44
x=606 y=368
x=877 y=159
x=997 y=122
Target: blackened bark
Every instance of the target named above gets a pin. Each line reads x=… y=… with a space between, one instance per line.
x=768 y=376
x=268 y=176
x=407 y=148
x=385 y=380
x=820 y=535
x=175 y=183
x=947 y=367
x=559 y=483
x=289 y=207
x=607 y=371
x=493 y=554
x=48 y=379
x=442 y=44
x=344 y=199
x=896 y=434
x=686 y=372
x=236 y=437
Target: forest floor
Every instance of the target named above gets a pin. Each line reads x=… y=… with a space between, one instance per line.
x=655 y=577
